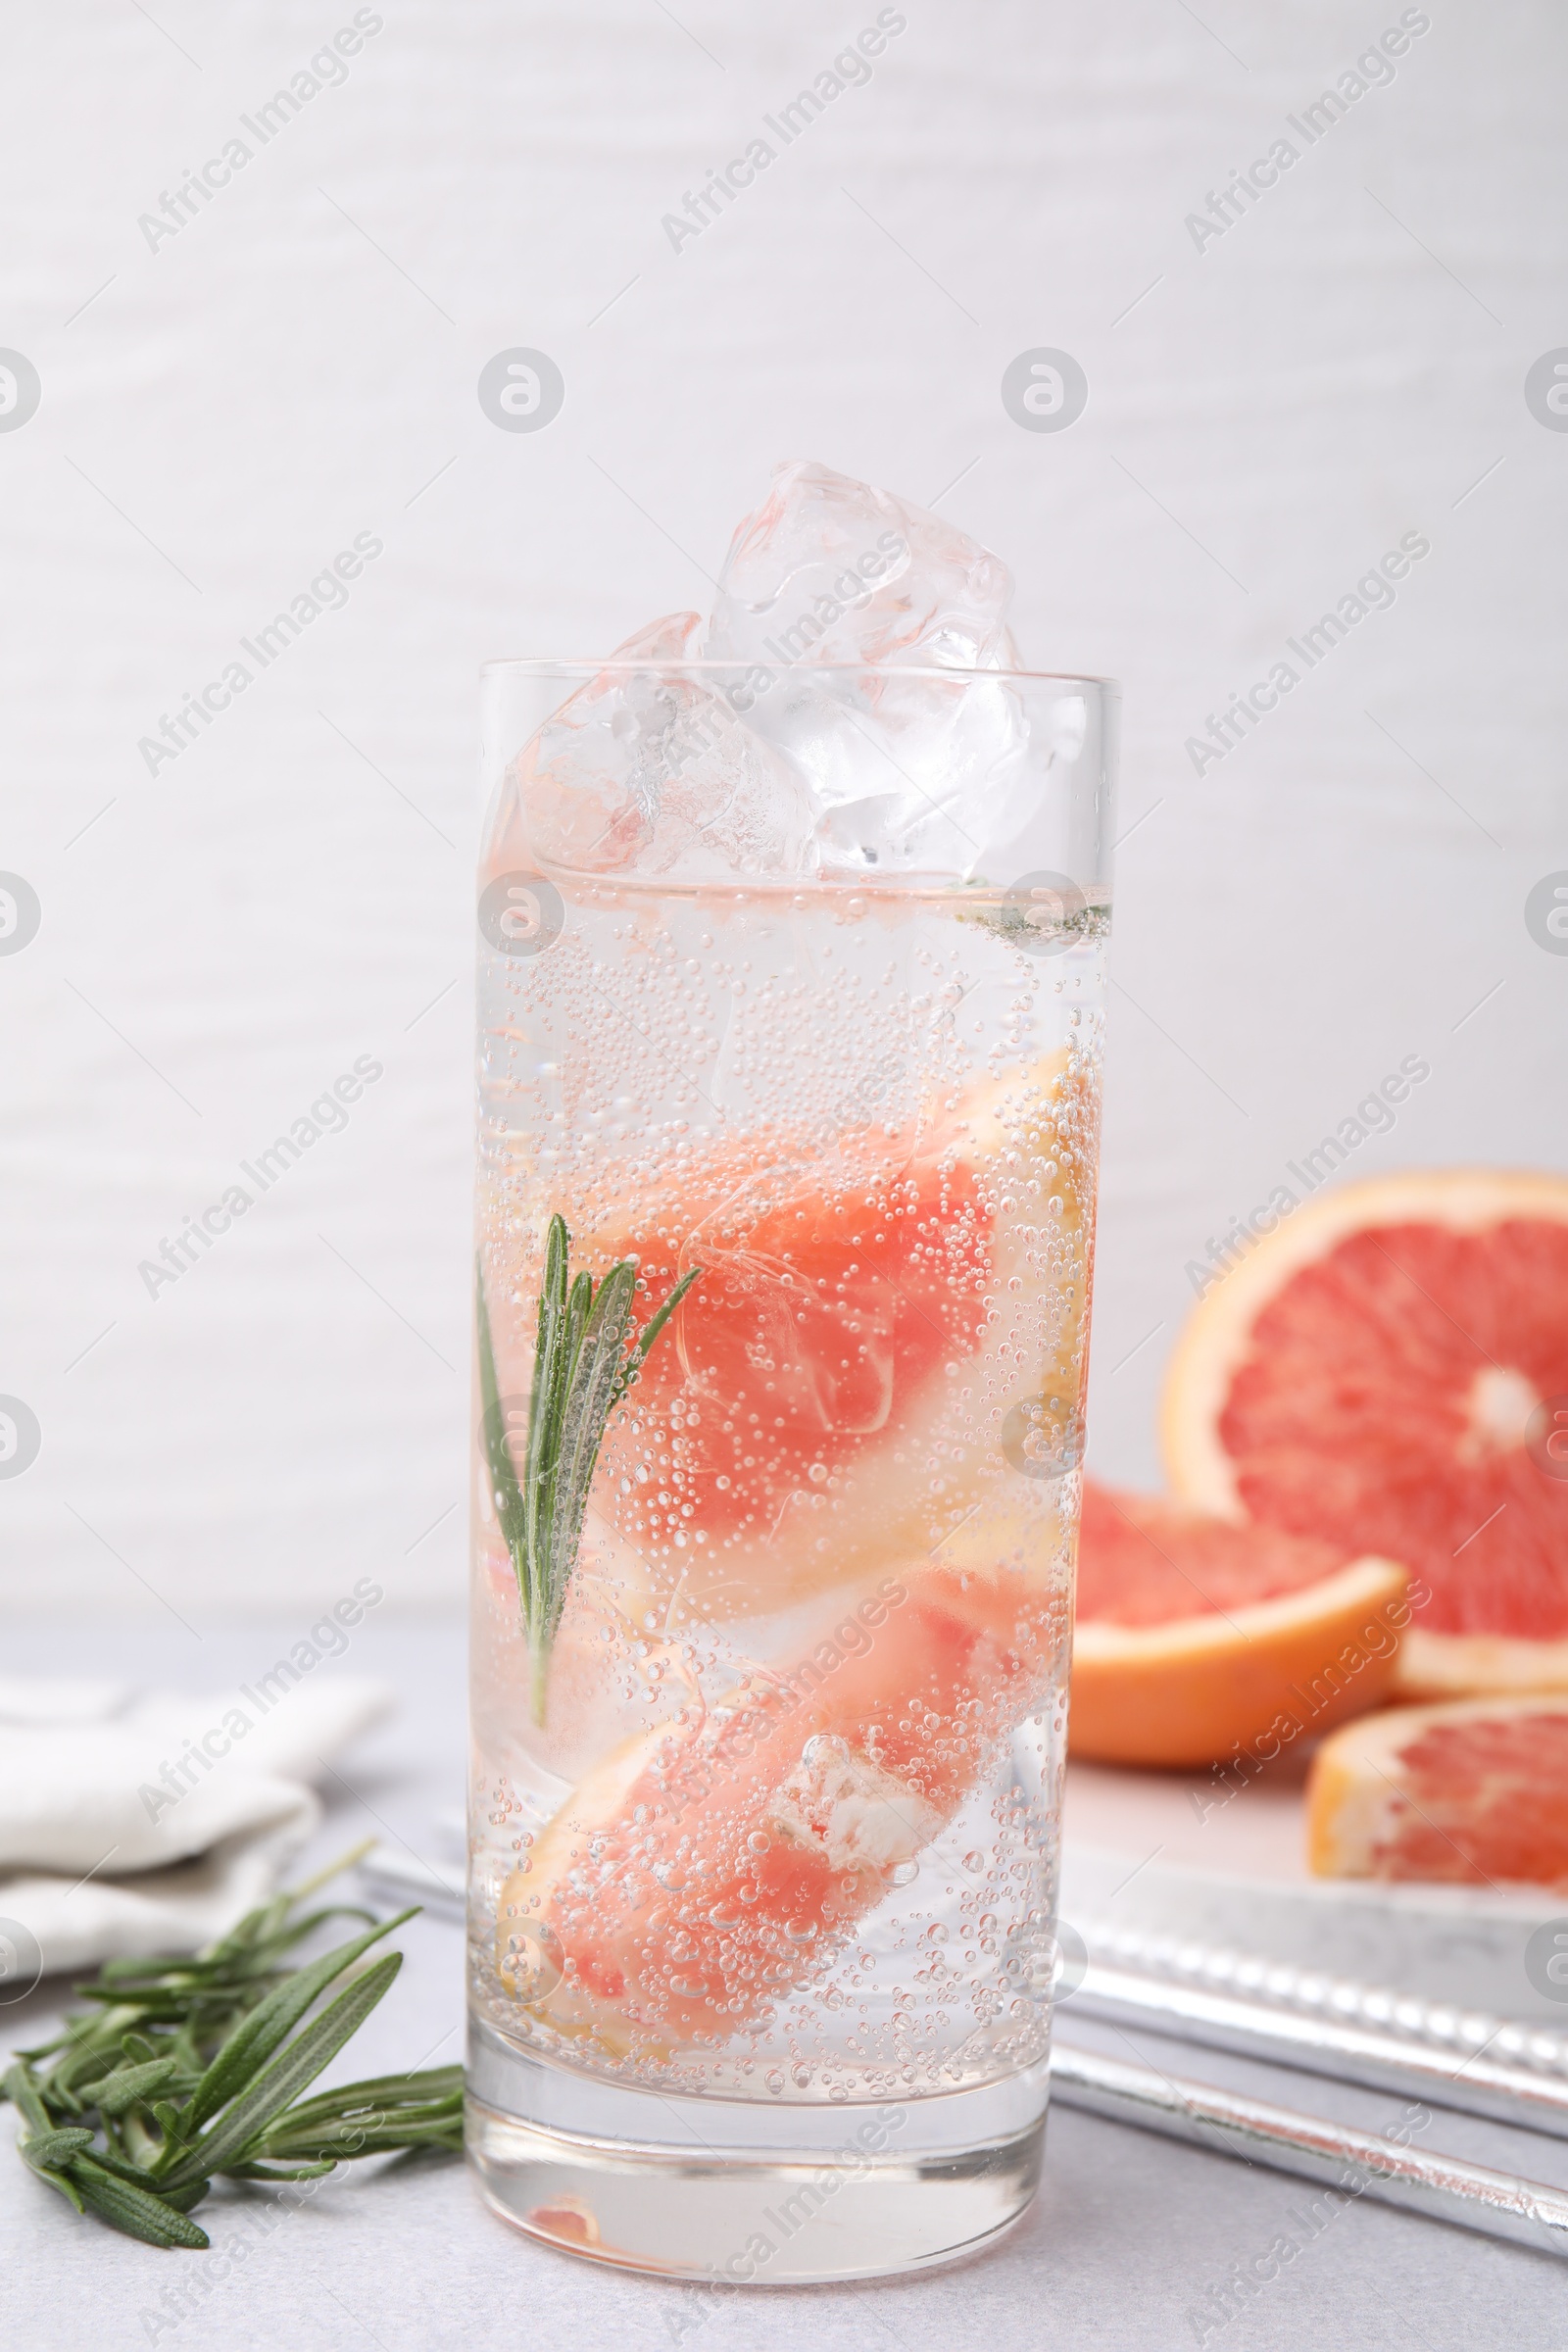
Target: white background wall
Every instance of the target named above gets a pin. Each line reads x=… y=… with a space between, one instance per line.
x=221 y=415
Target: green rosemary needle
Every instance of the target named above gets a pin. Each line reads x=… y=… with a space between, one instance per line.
x=581 y=1370
x=187 y=2070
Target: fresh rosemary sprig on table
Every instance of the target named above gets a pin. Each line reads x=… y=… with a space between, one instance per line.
x=188 y=2069
x=580 y=1374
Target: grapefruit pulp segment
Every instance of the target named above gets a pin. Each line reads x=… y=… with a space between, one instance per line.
x=1472 y=1794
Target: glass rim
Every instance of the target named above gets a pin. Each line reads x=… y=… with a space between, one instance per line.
x=531 y=667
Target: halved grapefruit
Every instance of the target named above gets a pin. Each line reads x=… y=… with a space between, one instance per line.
x=1381 y=1372
x=1194 y=1636
x=1474 y=1792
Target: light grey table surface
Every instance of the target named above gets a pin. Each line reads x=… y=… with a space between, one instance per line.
x=1129 y=2237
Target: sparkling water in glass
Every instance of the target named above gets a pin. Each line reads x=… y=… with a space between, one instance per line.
x=772 y=1593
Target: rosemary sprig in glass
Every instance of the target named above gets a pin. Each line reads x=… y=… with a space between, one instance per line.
x=581 y=1371
x=184 y=2071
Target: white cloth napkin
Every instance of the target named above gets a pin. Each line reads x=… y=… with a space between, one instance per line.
x=153 y=1826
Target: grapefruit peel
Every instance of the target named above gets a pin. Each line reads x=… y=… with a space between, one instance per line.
x=1196 y=1636
x=1190 y=1690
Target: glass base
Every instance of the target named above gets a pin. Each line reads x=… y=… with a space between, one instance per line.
x=731 y=2193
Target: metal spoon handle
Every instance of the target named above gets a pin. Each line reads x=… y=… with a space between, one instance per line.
x=1335 y=2000
x=1476 y=2083
x=1351 y=2163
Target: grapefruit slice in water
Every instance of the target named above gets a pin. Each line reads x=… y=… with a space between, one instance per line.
x=1195 y=1637
x=1475 y=1792
x=804 y=1423
x=714 y=1861
x=1388 y=1371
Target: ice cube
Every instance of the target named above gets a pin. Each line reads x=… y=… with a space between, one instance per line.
x=922 y=773
x=915 y=772
x=831 y=569
x=648 y=770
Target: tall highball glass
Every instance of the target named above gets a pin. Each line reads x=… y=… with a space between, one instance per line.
x=785 y=1238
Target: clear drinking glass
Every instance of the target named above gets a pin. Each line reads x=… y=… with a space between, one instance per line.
x=772 y=1595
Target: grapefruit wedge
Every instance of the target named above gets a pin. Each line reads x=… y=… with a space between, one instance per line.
x=1194 y=1636
x=714 y=1861
x=1474 y=1792
x=808 y=1409
x=1388 y=1371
